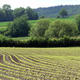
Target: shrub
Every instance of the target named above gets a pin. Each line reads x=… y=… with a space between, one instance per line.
x=19 y=27
x=40 y=42
x=61 y=28
x=38 y=30
x=63 y=13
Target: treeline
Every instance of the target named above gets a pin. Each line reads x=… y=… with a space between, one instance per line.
x=44 y=33
x=40 y=42
x=7 y=14
x=44 y=28
x=54 y=10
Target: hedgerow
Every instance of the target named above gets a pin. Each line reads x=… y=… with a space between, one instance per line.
x=40 y=42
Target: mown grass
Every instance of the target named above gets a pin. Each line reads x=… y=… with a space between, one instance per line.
x=2 y=29
x=40 y=63
x=20 y=38
x=4 y=24
x=70 y=51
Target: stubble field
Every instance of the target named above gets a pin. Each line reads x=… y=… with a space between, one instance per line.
x=40 y=63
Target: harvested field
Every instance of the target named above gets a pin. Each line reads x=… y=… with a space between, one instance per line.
x=40 y=63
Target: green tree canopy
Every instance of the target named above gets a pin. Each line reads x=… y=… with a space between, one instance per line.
x=19 y=27
x=19 y=12
x=31 y=14
x=2 y=15
x=38 y=30
x=61 y=28
x=8 y=12
x=63 y=13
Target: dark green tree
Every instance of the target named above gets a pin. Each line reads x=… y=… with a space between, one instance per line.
x=42 y=17
x=19 y=12
x=31 y=14
x=63 y=13
x=19 y=27
x=8 y=12
x=1 y=15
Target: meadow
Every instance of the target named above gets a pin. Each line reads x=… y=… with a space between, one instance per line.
x=40 y=63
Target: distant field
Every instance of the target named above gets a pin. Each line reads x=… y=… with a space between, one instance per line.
x=21 y=38
x=4 y=25
x=40 y=63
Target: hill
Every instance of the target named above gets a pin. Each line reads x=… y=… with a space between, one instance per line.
x=53 y=11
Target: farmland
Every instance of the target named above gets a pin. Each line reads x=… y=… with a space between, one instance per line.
x=40 y=63
x=4 y=25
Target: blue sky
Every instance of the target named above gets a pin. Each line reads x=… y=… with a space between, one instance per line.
x=37 y=3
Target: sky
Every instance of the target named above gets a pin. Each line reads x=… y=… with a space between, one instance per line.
x=37 y=3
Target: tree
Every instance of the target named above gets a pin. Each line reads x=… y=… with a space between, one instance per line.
x=63 y=13
x=1 y=15
x=8 y=13
x=58 y=16
x=31 y=14
x=18 y=12
x=38 y=30
x=42 y=17
x=19 y=27
x=60 y=29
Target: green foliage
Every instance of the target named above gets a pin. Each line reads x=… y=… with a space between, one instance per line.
x=63 y=13
x=38 y=30
x=61 y=28
x=39 y=42
x=18 y=12
x=31 y=14
x=42 y=17
x=2 y=37
x=6 y=13
x=20 y=27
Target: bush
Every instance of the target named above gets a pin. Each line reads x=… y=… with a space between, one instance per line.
x=63 y=13
x=40 y=42
x=38 y=30
x=19 y=27
x=61 y=28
